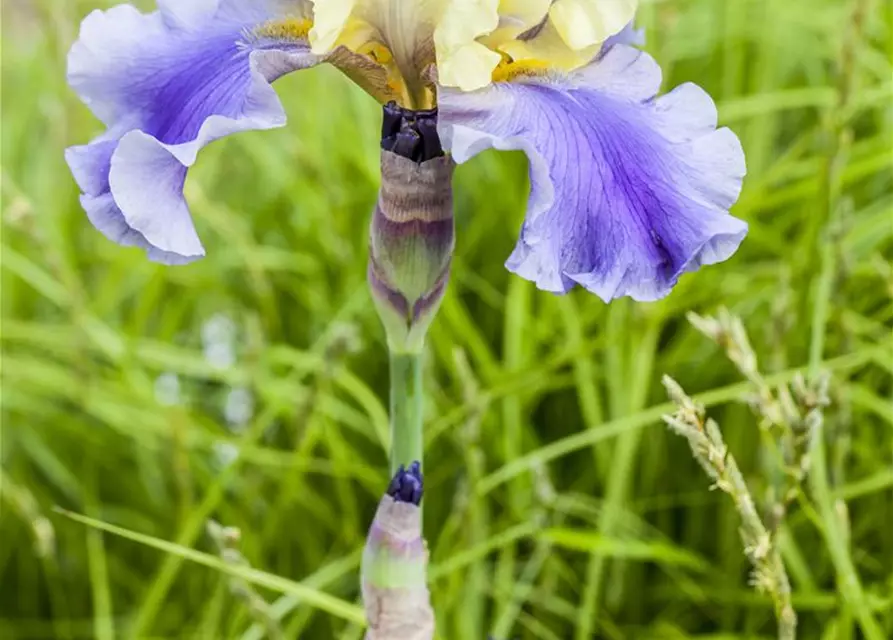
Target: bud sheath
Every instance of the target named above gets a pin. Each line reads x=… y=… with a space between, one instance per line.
x=395 y=562
x=412 y=231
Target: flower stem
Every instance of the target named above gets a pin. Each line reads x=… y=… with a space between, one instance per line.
x=406 y=409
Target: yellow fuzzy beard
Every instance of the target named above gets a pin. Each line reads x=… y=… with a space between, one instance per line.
x=288 y=29
x=509 y=70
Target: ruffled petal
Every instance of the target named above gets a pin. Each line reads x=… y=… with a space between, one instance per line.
x=462 y=61
x=629 y=35
x=583 y=23
x=417 y=34
x=628 y=192
x=563 y=33
x=331 y=20
x=405 y=29
x=546 y=42
x=518 y=16
x=166 y=84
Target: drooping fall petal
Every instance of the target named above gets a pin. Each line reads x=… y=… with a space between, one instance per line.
x=628 y=191
x=166 y=84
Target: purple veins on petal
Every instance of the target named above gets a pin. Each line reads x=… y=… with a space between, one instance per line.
x=165 y=85
x=628 y=191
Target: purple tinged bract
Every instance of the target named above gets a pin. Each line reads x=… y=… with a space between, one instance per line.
x=395 y=562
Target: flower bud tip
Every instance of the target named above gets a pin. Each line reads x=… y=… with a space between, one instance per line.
x=407 y=485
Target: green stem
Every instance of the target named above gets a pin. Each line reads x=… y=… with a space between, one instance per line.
x=848 y=583
x=406 y=409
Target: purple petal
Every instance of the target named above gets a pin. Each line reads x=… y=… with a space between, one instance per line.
x=166 y=84
x=628 y=192
x=628 y=35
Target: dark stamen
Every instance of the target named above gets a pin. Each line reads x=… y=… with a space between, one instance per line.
x=407 y=484
x=410 y=134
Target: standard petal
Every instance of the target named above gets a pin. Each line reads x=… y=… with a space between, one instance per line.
x=405 y=29
x=330 y=21
x=627 y=191
x=544 y=44
x=461 y=60
x=518 y=16
x=166 y=84
x=416 y=34
x=573 y=32
x=583 y=23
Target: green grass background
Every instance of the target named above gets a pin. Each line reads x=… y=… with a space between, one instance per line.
x=558 y=506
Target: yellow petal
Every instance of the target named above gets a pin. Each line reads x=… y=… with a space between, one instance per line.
x=583 y=23
x=549 y=47
x=461 y=60
x=516 y=17
x=530 y=12
x=330 y=19
x=404 y=27
x=468 y=68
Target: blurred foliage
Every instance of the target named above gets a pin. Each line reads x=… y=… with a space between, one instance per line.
x=156 y=398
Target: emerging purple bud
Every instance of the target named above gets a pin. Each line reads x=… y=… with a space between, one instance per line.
x=407 y=485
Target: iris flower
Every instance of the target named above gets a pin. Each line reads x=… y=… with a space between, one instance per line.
x=628 y=190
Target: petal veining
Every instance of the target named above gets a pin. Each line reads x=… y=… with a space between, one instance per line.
x=628 y=191
x=417 y=34
x=405 y=29
x=166 y=84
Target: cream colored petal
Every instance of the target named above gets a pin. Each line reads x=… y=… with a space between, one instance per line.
x=404 y=27
x=398 y=24
x=583 y=23
x=330 y=19
x=549 y=47
x=461 y=60
x=530 y=12
x=516 y=17
x=469 y=67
